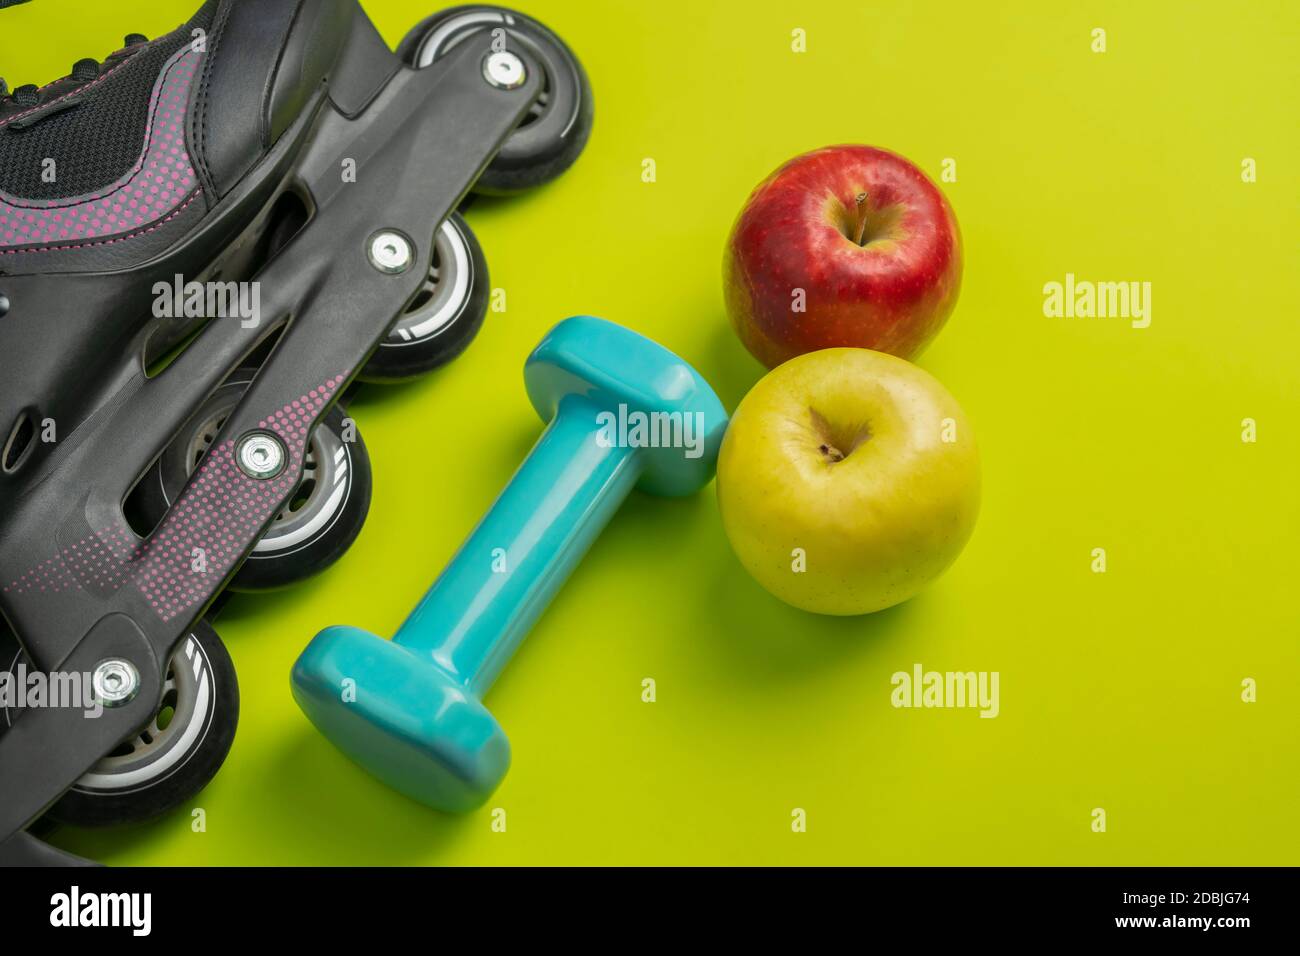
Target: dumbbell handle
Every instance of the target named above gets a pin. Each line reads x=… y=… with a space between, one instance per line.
x=476 y=613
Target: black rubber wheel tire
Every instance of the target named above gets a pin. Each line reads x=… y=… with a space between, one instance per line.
x=444 y=316
x=168 y=767
x=323 y=517
x=553 y=135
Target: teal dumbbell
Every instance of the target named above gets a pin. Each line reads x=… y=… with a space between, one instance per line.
x=622 y=412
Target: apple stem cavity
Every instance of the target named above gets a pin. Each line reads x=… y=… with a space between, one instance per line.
x=831 y=453
x=836 y=443
x=860 y=233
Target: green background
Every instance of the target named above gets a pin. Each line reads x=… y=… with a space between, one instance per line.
x=1119 y=690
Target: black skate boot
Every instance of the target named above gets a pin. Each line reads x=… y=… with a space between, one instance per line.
x=204 y=240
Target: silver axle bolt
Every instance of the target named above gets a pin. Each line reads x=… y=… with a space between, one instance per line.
x=115 y=681
x=260 y=455
x=390 y=251
x=504 y=70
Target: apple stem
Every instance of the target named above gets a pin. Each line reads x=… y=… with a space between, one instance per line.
x=832 y=453
x=862 y=219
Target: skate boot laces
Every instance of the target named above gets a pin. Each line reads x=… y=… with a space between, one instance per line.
x=84 y=70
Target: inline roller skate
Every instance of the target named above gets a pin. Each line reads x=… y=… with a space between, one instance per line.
x=205 y=241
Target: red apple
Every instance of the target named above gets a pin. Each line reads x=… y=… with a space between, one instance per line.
x=844 y=246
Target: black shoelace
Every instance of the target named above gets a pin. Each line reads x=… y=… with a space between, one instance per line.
x=83 y=71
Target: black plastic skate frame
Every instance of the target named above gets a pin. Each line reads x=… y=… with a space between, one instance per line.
x=419 y=139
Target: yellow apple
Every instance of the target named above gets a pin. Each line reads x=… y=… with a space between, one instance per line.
x=848 y=481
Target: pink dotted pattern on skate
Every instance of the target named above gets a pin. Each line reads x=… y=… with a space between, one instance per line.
x=154 y=190
x=99 y=561
x=204 y=533
x=220 y=509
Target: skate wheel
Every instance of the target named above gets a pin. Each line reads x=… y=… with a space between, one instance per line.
x=445 y=315
x=168 y=762
x=554 y=132
x=319 y=522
